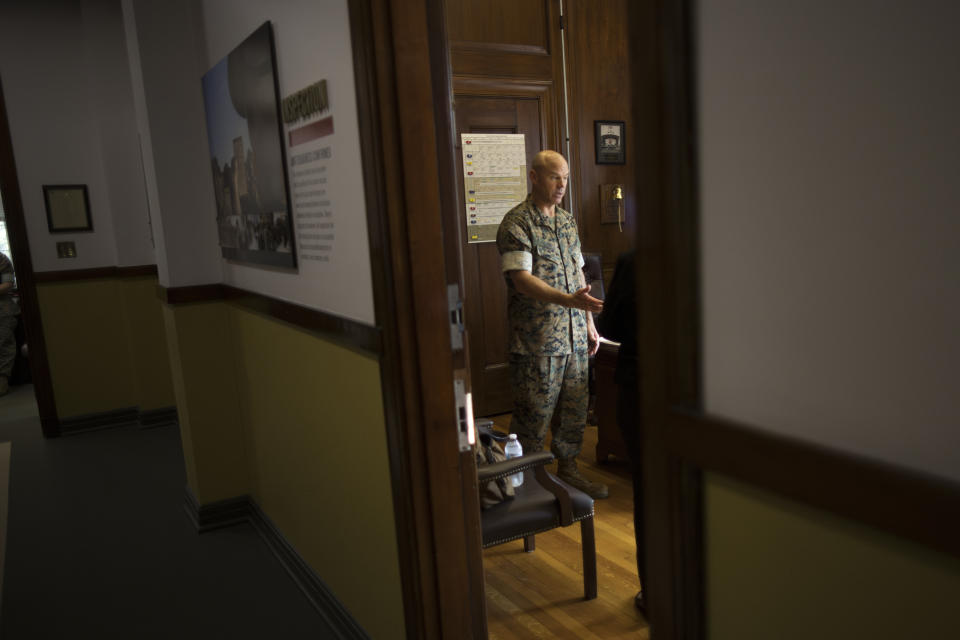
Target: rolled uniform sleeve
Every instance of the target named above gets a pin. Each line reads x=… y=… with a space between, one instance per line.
x=513 y=243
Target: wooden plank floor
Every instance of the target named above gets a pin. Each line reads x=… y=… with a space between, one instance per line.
x=540 y=594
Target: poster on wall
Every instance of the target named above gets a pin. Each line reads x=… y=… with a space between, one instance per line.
x=308 y=126
x=494 y=180
x=241 y=98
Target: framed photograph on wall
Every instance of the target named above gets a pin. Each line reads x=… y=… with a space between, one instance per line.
x=241 y=99
x=68 y=208
x=610 y=140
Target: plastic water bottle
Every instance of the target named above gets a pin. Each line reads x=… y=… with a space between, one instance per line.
x=514 y=450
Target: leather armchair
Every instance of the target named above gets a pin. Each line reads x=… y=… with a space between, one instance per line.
x=541 y=503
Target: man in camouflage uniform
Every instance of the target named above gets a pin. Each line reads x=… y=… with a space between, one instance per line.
x=551 y=322
x=8 y=322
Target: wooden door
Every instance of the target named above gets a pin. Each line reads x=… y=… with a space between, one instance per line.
x=485 y=290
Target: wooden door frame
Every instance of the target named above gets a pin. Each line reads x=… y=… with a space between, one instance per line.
x=26 y=282
x=402 y=74
x=681 y=441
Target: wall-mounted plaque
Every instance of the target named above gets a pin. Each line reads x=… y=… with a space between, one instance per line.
x=68 y=208
x=610 y=140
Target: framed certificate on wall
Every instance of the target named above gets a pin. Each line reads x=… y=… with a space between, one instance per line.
x=610 y=141
x=68 y=208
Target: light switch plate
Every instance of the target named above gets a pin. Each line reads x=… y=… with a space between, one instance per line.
x=66 y=250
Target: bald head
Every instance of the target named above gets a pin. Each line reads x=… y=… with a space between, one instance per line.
x=547 y=158
x=548 y=175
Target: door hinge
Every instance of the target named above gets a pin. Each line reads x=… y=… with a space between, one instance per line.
x=466 y=432
x=455 y=309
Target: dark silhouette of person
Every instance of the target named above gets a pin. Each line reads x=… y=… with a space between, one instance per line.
x=618 y=322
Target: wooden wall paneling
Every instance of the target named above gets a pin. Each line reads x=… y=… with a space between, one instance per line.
x=472 y=62
x=502 y=38
x=600 y=88
x=522 y=25
x=26 y=283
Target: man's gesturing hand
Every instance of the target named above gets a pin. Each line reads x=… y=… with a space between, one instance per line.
x=583 y=300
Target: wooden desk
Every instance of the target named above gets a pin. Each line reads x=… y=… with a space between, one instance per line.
x=609 y=441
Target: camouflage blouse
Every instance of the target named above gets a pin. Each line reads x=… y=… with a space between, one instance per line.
x=549 y=248
x=7 y=306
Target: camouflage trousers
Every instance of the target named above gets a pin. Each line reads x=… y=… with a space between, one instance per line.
x=8 y=344
x=542 y=384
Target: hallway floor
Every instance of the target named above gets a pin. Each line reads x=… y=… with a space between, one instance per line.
x=98 y=545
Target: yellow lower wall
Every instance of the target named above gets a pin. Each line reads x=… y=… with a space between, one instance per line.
x=777 y=569
x=265 y=408
x=320 y=469
x=148 y=343
x=105 y=345
x=309 y=429
x=203 y=359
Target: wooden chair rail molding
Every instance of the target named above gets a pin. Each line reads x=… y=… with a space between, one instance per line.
x=345 y=331
x=915 y=506
x=68 y=275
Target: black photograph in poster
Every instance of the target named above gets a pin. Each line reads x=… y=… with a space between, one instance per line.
x=241 y=98
x=611 y=143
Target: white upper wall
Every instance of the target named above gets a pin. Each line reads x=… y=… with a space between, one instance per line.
x=53 y=126
x=88 y=85
x=66 y=89
x=165 y=40
x=112 y=101
x=312 y=39
x=830 y=203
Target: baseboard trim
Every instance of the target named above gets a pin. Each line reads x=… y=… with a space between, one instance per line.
x=313 y=587
x=158 y=417
x=233 y=511
x=216 y=515
x=100 y=420
x=126 y=417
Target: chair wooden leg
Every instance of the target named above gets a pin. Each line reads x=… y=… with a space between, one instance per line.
x=589 y=544
x=529 y=543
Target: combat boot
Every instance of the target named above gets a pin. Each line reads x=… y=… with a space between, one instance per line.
x=568 y=472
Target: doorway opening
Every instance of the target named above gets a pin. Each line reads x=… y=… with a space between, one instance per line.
x=32 y=367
